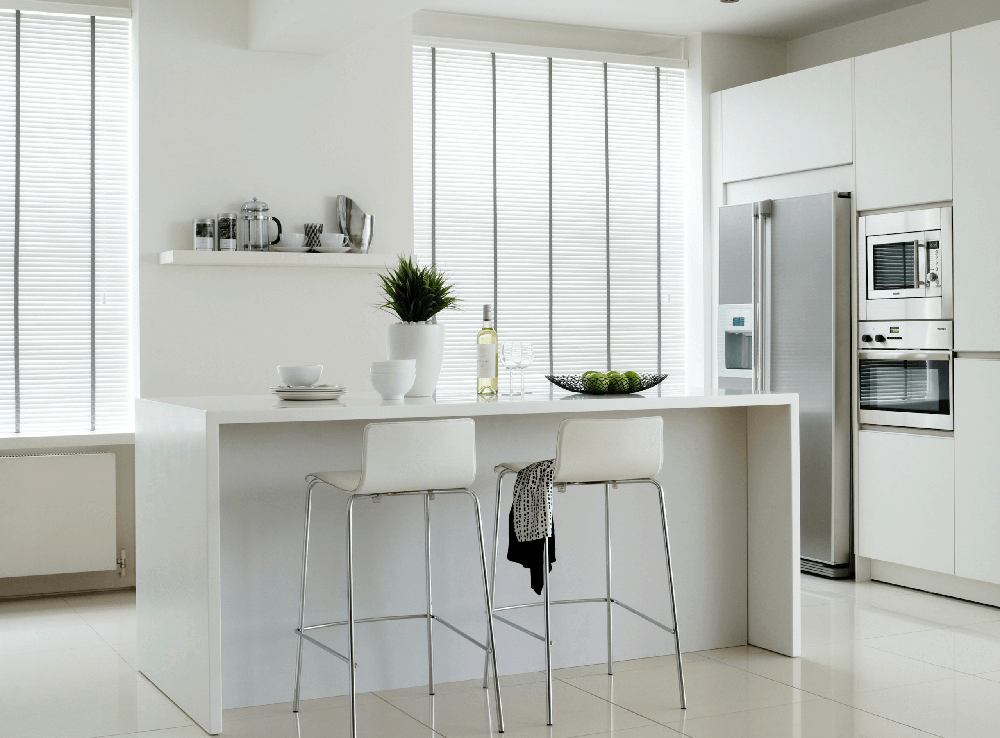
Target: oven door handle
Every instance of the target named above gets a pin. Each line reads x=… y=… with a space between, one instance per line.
x=906 y=355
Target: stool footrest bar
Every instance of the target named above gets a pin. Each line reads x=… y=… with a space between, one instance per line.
x=421 y=616
x=464 y=635
x=554 y=602
x=325 y=647
x=632 y=610
x=505 y=621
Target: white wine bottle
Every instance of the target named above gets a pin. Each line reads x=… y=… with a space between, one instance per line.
x=486 y=358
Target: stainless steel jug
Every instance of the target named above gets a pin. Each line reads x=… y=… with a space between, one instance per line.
x=254 y=230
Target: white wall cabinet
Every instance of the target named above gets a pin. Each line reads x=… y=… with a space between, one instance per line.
x=977 y=469
x=790 y=123
x=976 y=103
x=903 y=125
x=907 y=499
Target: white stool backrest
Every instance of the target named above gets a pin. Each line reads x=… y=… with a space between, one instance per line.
x=589 y=450
x=419 y=455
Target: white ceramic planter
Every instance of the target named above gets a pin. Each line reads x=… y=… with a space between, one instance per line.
x=423 y=342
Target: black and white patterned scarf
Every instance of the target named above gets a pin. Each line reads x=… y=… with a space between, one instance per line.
x=533 y=501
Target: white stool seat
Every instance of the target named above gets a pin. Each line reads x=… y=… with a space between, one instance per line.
x=514 y=466
x=426 y=458
x=347 y=481
x=615 y=451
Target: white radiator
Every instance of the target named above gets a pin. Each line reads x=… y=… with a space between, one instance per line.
x=57 y=514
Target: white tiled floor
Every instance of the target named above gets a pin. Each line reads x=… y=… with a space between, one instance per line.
x=878 y=661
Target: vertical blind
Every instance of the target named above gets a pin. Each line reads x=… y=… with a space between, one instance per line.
x=552 y=189
x=64 y=223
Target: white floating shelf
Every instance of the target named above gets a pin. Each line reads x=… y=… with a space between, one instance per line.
x=276 y=259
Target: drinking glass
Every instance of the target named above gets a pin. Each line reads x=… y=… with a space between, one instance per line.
x=525 y=355
x=510 y=358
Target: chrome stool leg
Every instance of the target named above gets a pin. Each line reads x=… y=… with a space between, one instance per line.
x=430 y=606
x=548 y=628
x=493 y=574
x=607 y=541
x=352 y=665
x=673 y=599
x=491 y=654
x=302 y=595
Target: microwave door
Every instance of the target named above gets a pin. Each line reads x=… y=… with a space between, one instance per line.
x=896 y=267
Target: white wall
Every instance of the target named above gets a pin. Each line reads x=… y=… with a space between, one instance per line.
x=718 y=62
x=217 y=125
x=931 y=18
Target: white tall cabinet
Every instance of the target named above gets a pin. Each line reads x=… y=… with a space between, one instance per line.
x=977 y=469
x=976 y=59
x=902 y=100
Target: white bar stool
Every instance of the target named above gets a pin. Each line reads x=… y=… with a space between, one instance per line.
x=609 y=452
x=416 y=458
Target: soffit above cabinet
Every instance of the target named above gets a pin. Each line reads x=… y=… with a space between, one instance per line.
x=791 y=123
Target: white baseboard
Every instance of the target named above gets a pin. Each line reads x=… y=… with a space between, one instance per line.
x=932 y=581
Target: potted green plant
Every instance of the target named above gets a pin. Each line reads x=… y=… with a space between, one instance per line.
x=415 y=295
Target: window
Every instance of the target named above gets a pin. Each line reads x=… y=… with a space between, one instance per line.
x=553 y=190
x=64 y=223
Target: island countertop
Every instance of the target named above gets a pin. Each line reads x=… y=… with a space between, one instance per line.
x=369 y=406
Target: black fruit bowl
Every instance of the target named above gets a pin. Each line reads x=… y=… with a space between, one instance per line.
x=574 y=383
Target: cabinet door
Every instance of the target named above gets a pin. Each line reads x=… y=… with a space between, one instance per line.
x=977 y=187
x=977 y=469
x=907 y=499
x=790 y=123
x=903 y=124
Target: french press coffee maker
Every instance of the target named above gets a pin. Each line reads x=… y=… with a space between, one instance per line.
x=254 y=231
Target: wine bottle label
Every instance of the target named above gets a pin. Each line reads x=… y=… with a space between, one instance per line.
x=487 y=361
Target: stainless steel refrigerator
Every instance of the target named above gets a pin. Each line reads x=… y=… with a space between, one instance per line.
x=784 y=325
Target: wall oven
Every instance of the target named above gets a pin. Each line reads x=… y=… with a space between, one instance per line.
x=906 y=265
x=906 y=374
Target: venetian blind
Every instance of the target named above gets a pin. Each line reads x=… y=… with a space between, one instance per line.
x=64 y=223
x=553 y=190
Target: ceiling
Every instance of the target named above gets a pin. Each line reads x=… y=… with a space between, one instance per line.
x=784 y=19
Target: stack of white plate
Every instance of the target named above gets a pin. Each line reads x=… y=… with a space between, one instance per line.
x=316 y=392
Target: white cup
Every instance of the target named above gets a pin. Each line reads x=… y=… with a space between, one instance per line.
x=292 y=240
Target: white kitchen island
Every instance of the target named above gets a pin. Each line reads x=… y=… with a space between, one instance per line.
x=220 y=496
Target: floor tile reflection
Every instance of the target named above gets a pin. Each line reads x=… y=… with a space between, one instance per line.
x=878 y=661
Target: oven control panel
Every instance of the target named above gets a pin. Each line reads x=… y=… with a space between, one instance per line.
x=908 y=335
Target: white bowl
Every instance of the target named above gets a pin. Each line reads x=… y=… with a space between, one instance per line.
x=300 y=376
x=292 y=240
x=393 y=386
x=395 y=366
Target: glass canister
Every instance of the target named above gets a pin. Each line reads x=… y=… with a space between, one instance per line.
x=227 y=231
x=204 y=234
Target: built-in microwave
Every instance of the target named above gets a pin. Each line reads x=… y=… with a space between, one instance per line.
x=905 y=272
x=906 y=374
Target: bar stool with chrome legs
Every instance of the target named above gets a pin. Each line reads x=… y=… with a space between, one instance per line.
x=611 y=452
x=425 y=458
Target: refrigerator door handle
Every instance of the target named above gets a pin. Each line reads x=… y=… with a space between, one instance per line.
x=761 y=299
x=754 y=294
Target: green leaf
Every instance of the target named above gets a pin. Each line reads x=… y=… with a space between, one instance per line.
x=415 y=294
